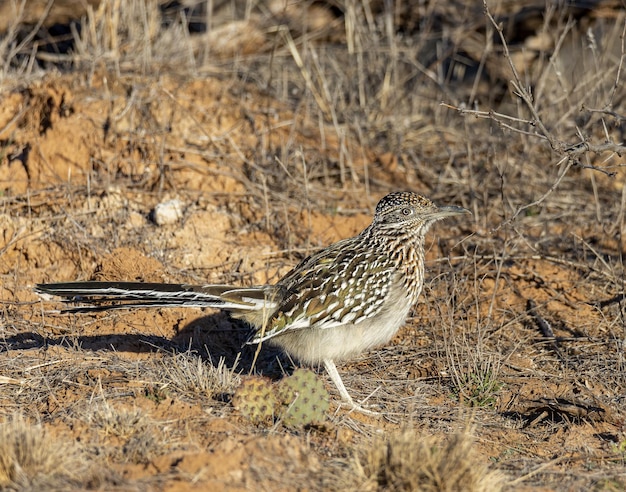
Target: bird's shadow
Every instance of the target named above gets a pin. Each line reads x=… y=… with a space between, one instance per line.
x=216 y=337
x=219 y=337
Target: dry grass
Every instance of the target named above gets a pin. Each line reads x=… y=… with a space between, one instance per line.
x=277 y=130
x=32 y=459
x=190 y=374
x=126 y=435
x=409 y=461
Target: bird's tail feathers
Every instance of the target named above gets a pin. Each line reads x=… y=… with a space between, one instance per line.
x=103 y=296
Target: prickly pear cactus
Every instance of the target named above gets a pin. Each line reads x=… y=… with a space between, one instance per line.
x=302 y=399
x=256 y=400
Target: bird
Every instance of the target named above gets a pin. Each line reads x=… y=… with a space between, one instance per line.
x=343 y=300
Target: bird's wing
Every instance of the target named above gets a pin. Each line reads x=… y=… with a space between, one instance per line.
x=339 y=285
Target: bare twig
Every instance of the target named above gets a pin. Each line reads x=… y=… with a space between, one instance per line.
x=540 y=200
x=617 y=116
x=568 y=152
x=522 y=92
x=619 y=67
x=573 y=151
x=542 y=323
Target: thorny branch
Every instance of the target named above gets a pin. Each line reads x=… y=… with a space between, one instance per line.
x=569 y=152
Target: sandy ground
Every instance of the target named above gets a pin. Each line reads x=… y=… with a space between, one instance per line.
x=143 y=399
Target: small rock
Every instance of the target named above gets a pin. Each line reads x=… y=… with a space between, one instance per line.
x=168 y=212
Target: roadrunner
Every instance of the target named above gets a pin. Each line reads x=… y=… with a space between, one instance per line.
x=335 y=304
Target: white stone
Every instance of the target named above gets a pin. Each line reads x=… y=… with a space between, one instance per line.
x=168 y=212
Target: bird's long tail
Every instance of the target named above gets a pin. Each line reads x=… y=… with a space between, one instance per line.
x=103 y=296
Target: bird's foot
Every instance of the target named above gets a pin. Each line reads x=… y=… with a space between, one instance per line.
x=346 y=399
x=352 y=406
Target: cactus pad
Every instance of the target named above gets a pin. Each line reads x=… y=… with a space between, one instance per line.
x=297 y=400
x=303 y=399
x=255 y=399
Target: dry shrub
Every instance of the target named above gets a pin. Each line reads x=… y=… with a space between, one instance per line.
x=32 y=459
x=409 y=461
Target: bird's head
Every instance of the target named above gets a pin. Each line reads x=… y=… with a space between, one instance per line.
x=410 y=212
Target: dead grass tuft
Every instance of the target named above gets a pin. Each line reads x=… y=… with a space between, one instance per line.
x=121 y=423
x=409 y=461
x=474 y=373
x=188 y=373
x=130 y=436
x=30 y=458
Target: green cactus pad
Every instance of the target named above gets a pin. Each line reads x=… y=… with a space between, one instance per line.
x=256 y=400
x=302 y=399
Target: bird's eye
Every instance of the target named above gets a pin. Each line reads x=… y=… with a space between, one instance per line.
x=407 y=211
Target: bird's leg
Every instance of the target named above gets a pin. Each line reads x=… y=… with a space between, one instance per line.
x=331 y=369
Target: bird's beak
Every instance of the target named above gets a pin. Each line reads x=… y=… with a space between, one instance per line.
x=447 y=211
